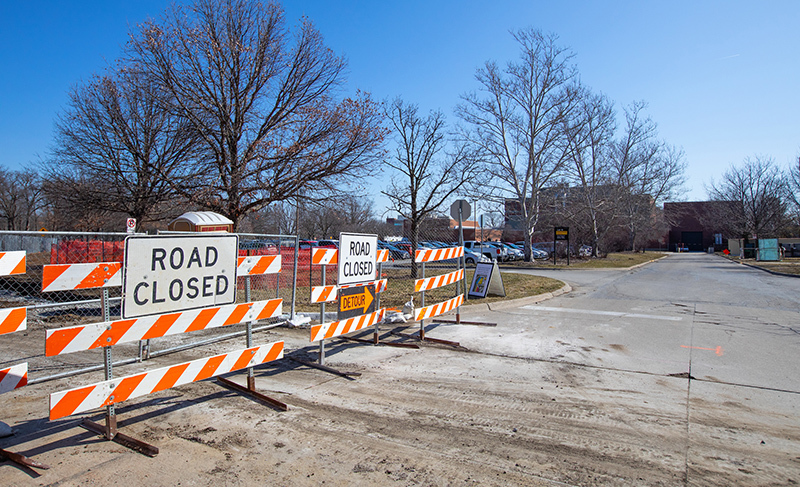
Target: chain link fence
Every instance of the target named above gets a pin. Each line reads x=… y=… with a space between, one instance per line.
x=59 y=309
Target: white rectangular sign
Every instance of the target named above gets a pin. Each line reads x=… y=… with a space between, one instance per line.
x=167 y=273
x=358 y=254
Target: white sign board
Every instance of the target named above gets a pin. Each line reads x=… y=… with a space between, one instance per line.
x=358 y=254
x=163 y=274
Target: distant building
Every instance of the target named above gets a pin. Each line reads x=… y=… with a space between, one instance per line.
x=444 y=229
x=696 y=225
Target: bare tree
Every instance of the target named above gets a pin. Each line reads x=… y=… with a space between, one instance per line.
x=117 y=147
x=427 y=176
x=590 y=136
x=263 y=101
x=519 y=121
x=21 y=198
x=647 y=172
x=794 y=189
x=758 y=190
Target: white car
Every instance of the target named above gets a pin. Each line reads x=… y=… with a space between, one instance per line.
x=484 y=248
x=514 y=252
x=472 y=258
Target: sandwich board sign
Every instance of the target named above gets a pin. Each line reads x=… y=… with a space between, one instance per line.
x=486 y=281
x=167 y=273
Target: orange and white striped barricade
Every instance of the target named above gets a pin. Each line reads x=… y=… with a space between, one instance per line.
x=343 y=327
x=330 y=293
x=102 y=275
x=11 y=320
x=428 y=283
x=109 y=392
x=60 y=341
x=258 y=265
x=12 y=263
x=438 y=309
x=69 y=277
x=433 y=255
x=323 y=256
x=107 y=334
x=337 y=328
x=13 y=377
x=327 y=294
x=383 y=257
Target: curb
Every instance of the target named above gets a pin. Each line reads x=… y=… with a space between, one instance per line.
x=775 y=273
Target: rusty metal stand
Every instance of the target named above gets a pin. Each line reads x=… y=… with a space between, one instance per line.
x=120 y=438
x=388 y=344
x=457 y=322
x=250 y=391
x=428 y=339
x=346 y=375
x=22 y=460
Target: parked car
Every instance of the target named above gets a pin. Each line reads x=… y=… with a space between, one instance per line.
x=472 y=258
x=585 y=251
x=396 y=253
x=328 y=244
x=514 y=252
x=307 y=244
x=489 y=251
x=504 y=255
x=407 y=246
x=538 y=250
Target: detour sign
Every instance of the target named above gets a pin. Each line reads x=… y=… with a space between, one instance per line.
x=356 y=301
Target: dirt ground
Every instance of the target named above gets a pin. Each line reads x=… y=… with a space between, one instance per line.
x=436 y=415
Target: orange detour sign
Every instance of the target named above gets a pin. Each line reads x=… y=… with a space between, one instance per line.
x=355 y=301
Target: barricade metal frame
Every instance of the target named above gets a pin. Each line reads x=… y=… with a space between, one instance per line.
x=425 y=284
x=326 y=293
x=108 y=333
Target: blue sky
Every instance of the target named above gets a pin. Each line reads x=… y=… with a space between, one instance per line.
x=721 y=78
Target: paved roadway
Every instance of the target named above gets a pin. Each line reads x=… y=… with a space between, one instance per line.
x=694 y=313
x=734 y=329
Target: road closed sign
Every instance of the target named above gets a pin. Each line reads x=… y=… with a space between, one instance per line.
x=358 y=254
x=163 y=274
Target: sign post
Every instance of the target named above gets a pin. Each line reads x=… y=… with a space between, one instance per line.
x=559 y=234
x=460 y=211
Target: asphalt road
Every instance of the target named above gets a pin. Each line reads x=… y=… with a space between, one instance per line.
x=703 y=315
x=733 y=329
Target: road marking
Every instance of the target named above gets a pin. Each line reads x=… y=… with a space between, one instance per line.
x=605 y=313
x=718 y=350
